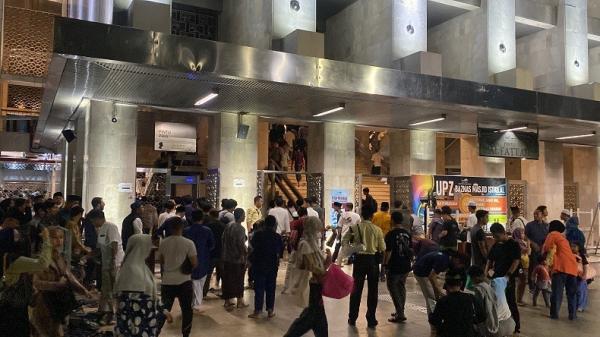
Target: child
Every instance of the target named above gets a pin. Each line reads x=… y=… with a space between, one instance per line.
x=541 y=280
x=582 y=285
x=457 y=313
x=498 y=322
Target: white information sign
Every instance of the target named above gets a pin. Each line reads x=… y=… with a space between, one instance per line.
x=174 y=137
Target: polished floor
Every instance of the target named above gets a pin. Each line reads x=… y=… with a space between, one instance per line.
x=216 y=322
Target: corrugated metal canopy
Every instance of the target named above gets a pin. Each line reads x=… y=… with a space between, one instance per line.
x=126 y=65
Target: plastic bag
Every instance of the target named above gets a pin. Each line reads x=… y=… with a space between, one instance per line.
x=337 y=284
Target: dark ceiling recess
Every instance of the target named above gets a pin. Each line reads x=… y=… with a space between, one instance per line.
x=329 y=8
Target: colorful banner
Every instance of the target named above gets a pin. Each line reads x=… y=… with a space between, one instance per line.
x=457 y=192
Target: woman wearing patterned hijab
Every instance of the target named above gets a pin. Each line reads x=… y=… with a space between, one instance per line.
x=140 y=312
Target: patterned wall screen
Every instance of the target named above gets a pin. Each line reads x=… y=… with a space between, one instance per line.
x=571 y=196
x=194 y=22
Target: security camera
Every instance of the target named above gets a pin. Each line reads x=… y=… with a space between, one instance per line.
x=114 y=119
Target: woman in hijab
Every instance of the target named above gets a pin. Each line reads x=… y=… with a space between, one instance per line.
x=518 y=235
x=139 y=312
x=54 y=299
x=310 y=258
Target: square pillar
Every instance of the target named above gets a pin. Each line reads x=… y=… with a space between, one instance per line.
x=109 y=162
x=473 y=165
x=572 y=30
x=545 y=179
x=412 y=152
x=331 y=152
x=235 y=158
x=302 y=42
x=409 y=32
x=500 y=35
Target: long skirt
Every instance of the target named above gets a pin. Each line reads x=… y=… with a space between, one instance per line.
x=138 y=315
x=233 y=280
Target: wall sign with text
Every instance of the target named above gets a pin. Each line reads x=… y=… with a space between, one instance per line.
x=512 y=144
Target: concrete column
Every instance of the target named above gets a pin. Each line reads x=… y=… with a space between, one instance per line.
x=409 y=32
x=331 y=152
x=151 y=15
x=247 y=23
x=235 y=158
x=572 y=31
x=545 y=179
x=578 y=170
x=472 y=165
x=110 y=157
x=412 y=152
x=65 y=166
x=79 y=143
x=500 y=34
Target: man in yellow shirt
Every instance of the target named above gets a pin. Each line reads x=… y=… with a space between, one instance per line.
x=253 y=214
x=365 y=265
x=382 y=219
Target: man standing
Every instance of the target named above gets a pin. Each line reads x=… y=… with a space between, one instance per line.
x=204 y=241
x=377 y=159
x=168 y=212
x=535 y=232
x=132 y=224
x=173 y=251
x=90 y=236
x=504 y=259
x=314 y=204
x=435 y=228
x=516 y=220
x=348 y=219
x=398 y=256
x=226 y=214
x=217 y=228
x=365 y=265
x=368 y=200
x=449 y=234
x=149 y=216
x=573 y=234
x=282 y=215
x=111 y=250
x=254 y=213
x=235 y=254
x=472 y=219
x=479 y=249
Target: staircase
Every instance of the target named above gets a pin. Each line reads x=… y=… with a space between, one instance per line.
x=287 y=186
x=379 y=190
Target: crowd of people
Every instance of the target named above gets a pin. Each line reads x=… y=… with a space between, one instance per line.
x=472 y=276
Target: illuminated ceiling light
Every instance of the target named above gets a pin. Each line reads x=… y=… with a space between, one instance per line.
x=513 y=129
x=207 y=98
x=578 y=136
x=342 y=106
x=443 y=117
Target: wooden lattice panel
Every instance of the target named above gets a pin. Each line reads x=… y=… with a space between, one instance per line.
x=517 y=195
x=25 y=98
x=28 y=40
x=571 y=196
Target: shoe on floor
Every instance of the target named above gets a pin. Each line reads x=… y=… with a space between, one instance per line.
x=255 y=314
x=270 y=313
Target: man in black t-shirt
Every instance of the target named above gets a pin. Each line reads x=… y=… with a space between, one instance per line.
x=398 y=256
x=449 y=234
x=426 y=270
x=504 y=259
x=479 y=248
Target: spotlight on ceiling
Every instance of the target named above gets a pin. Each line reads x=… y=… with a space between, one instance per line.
x=213 y=94
x=513 y=129
x=342 y=106
x=439 y=119
x=593 y=133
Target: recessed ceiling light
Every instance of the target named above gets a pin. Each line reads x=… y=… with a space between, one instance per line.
x=439 y=119
x=513 y=129
x=342 y=106
x=578 y=136
x=207 y=98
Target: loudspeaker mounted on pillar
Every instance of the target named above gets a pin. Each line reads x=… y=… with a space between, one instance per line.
x=69 y=135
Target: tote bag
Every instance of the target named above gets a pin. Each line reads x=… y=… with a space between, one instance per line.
x=337 y=284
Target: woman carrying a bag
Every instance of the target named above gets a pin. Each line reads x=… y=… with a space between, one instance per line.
x=310 y=258
x=55 y=298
